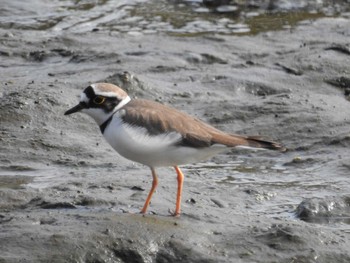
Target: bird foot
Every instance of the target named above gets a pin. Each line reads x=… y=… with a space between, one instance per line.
x=174 y=214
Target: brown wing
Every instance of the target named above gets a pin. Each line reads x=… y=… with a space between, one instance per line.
x=158 y=118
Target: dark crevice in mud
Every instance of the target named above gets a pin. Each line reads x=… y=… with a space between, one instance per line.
x=177 y=251
x=342 y=83
x=344 y=49
x=39 y=202
x=128 y=255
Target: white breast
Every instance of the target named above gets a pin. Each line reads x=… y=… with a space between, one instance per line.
x=135 y=143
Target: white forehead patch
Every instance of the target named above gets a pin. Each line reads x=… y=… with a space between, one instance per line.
x=98 y=91
x=84 y=98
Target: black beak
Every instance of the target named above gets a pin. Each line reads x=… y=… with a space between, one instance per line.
x=76 y=108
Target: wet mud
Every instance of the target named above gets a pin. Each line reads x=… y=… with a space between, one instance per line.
x=66 y=196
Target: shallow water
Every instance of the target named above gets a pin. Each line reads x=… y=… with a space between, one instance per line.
x=134 y=17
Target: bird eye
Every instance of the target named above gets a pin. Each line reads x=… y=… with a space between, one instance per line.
x=99 y=100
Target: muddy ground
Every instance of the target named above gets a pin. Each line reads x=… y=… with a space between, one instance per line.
x=66 y=196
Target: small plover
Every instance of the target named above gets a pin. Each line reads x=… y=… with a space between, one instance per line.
x=156 y=135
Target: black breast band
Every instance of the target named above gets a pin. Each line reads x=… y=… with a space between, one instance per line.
x=104 y=125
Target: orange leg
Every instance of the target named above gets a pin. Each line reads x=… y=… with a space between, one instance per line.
x=154 y=186
x=180 y=180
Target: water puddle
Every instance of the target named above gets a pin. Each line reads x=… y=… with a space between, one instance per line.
x=22 y=176
x=271 y=190
x=192 y=19
x=180 y=18
x=14 y=181
x=14 y=176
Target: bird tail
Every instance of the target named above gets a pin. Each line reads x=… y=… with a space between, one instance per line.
x=259 y=142
x=234 y=140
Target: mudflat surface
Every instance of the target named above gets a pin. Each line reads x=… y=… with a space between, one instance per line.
x=66 y=196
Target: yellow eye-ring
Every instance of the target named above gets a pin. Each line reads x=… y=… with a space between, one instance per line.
x=99 y=100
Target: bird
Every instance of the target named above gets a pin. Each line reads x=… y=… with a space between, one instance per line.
x=156 y=135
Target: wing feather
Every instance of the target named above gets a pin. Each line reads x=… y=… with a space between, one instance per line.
x=158 y=118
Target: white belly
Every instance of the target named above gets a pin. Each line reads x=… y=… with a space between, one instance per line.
x=136 y=144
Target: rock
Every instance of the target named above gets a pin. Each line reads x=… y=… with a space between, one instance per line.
x=324 y=210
